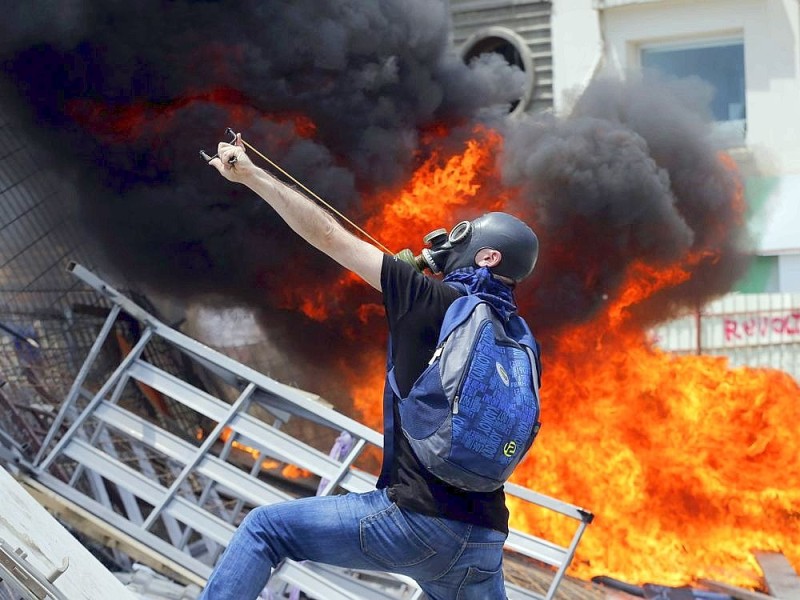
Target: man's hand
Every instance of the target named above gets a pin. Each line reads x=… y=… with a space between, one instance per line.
x=315 y=225
x=239 y=170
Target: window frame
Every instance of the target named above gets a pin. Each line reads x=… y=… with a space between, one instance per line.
x=731 y=130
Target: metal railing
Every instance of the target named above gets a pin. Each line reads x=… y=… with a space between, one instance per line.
x=754 y=330
x=180 y=498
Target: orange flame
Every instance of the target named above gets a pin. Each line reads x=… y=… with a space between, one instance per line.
x=688 y=464
x=289 y=471
x=120 y=122
x=685 y=461
x=439 y=189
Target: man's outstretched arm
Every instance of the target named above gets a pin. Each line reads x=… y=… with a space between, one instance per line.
x=310 y=221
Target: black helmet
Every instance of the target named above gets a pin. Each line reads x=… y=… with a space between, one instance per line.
x=516 y=242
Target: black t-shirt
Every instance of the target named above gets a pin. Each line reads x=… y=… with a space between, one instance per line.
x=415 y=307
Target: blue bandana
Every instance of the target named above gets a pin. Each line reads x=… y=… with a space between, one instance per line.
x=482 y=283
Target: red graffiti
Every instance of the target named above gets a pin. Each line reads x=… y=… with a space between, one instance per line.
x=761 y=326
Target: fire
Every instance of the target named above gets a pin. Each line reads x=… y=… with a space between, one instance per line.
x=439 y=189
x=289 y=471
x=688 y=464
x=117 y=123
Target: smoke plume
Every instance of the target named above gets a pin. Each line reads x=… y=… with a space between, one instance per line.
x=630 y=174
x=343 y=95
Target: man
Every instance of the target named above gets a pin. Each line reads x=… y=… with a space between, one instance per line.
x=449 y=540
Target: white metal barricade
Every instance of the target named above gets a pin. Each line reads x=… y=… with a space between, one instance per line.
x=180 y=497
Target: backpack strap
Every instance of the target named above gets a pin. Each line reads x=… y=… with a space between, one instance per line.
x=454 y=316
x=537 y=380
x=385 y=476
x=457 y=313
x=391 y=389
x=391 y=380
x=522 y=333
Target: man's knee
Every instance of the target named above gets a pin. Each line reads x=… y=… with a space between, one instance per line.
x=263 y=533
x=261 y=522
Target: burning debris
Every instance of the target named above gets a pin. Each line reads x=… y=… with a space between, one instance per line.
x=687 y=463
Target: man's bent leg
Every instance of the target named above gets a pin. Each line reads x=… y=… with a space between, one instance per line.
x=321 y=528
x=361 y=531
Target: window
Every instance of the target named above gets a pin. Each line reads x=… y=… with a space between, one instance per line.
x=720 y=64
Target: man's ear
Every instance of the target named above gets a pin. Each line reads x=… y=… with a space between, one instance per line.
x=488 y=257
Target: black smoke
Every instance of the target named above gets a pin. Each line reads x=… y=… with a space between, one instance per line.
x=632 y=173
x=342 y=95
x=339 y=93
x=134 y=90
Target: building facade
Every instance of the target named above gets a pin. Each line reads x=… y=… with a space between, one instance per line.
x=749 y=53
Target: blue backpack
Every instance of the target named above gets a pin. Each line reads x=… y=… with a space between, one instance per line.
x=474 y=412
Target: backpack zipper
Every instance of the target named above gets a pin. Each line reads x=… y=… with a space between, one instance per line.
x=436 y=354
x=457 y=397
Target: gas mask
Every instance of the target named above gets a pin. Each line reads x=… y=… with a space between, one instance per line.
x=445 y=252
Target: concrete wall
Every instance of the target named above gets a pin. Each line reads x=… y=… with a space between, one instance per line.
x=577 y=48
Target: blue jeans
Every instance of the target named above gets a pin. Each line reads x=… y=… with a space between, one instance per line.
x=449 y=559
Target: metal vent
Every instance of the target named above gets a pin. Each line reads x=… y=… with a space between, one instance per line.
x=520 y=32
